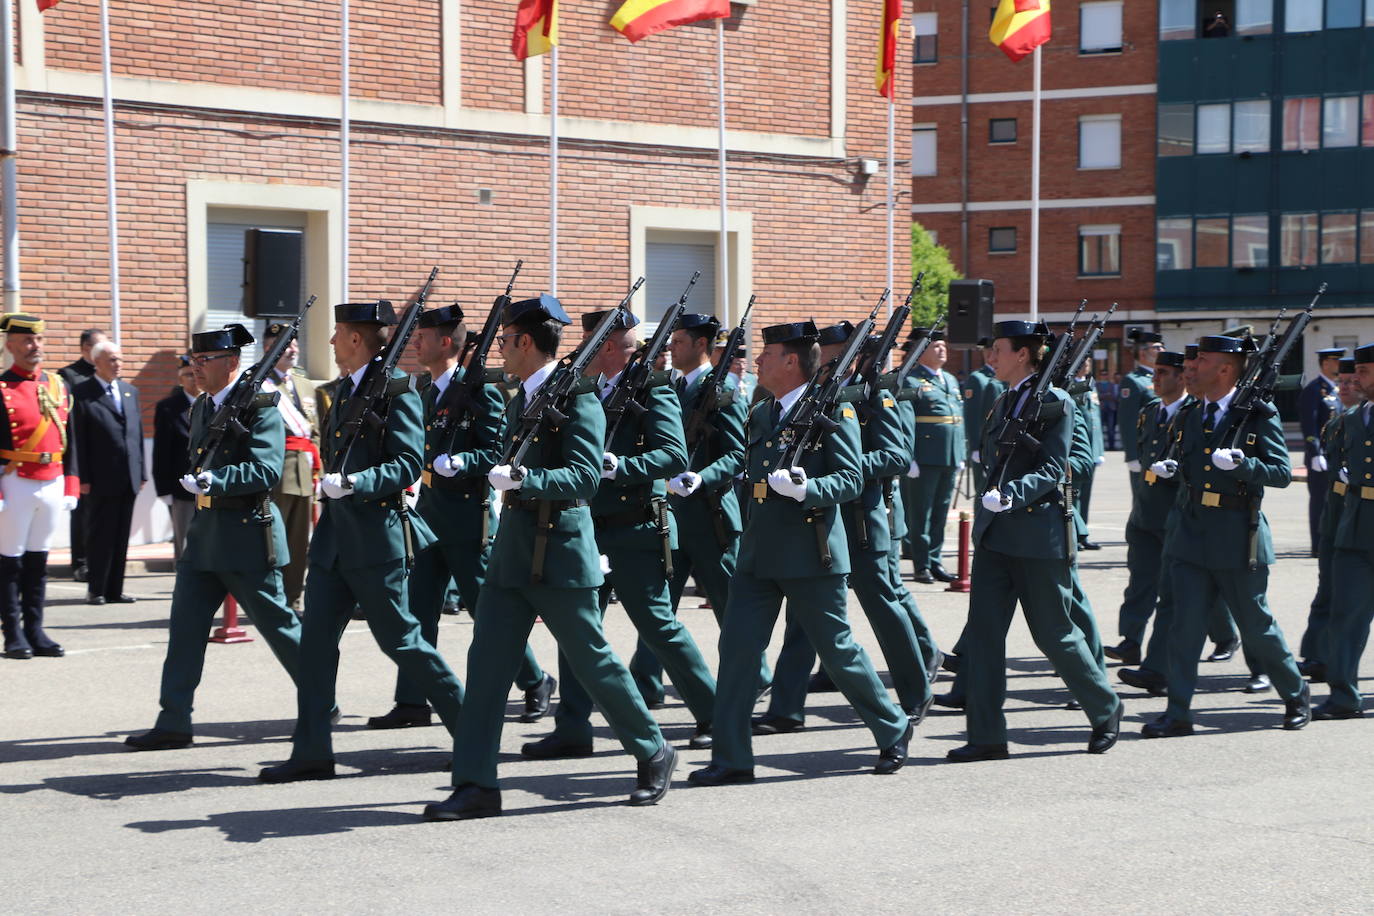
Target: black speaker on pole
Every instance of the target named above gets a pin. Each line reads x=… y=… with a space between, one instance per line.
x=272 y=272
x=971 y=306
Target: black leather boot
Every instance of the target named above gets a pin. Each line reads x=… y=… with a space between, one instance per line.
x=16 y=645
x=33 y=590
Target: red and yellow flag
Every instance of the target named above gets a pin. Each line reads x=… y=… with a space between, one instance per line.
x=1020 y=26
x=536 y=28
x=44 y=5
x=887 y=49
x=638 y=19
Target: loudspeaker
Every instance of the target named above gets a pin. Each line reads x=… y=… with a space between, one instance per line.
x=971 y=306
x=272 y=272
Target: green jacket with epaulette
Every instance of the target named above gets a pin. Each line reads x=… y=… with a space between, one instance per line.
x=454 y=507
x=717 y=458
x=981 y=390
x=1356 y=530
x=884 y=441
x=1137 y=390
x=1157 y=496
x=939 y=416
x=650 y=449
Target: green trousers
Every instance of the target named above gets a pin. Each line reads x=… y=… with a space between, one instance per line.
x=1348 y=630
x=818 y=605
x=505 y=617
x=380 y=591
x=924 y=638
x=435 y=566
x=1044 y=589
x=1082 y=499
x=926 y=500
x=1081 y=613
x=1196 y=590
x=636 y=576
x=196 y=597
x=1146 y=568
x=1314 y=646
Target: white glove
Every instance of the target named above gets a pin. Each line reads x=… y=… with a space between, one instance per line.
x=609 y=464
x=166 y=500
x=685 y=484
x=1133 y=467
x=959 y=468
x=1319 y=463
x=1227 y=459
x=605 y=562
x=1345 y=476
x=69 y=503
x=196 y=486
x=913 y=470
x=1165 y=469
x=1100 y=460
x=781 y=482
x=412 y=496
x=501 y=479
x=994 y=501
x=977 y=457
x=333 y=486
x=448 y=465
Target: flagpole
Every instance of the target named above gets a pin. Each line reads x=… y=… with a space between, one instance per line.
x=9 y=169
x=724 y=244
x=553 y=171
x=345 y=163
x=891 y=189
x=111 y=192
x=1035 y=192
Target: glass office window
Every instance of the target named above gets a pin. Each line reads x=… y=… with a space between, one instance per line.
x=1212 y=245
x=1002 y=239
x=1176 y=130
x=1302 y=16
x=1177 y=19
x=1367 y=117
x=1099 y=27
x=1099 y=142
x=1341 y=121
x=1099 y=251
x=1367 y=236
x=1301 y=123
x=924 y=40
x=1255 y=17
x=1174 y=244
x=923 y=151
x=1343 y=14
x=1214 y=128
x=1369 y=12
x=1251 y=126
x=1298 y=240
x=1338 y=238
x=1002 y=130
x=1250 y=241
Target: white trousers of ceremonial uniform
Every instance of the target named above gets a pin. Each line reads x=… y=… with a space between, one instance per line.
x=32 y=509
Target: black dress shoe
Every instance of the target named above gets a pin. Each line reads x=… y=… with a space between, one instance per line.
x=1297 y=712
x=19 y=654
x=1085 y=544
x=95 y=599
x=941 y=574
x=701 y=738
x=402 y=715
x=949 y=701
x=1222 y=651
x=1104 y=736
x=890 y=759
x=121 y=599
x=552 y=747
x=1128 y=652
x=918 y=715
x=933 y=669
x=466 y=803
x=80 y=573
x=714 y=775
x=52 y=650
x=537 y=699
x=1165 y=727
x=1073 y=706
x=972 y=753
x=775 y=725
x=655 y=776
x=1328 y=711
x=1313 y=671
x=821 y=683
x=1147 y=680
x=158 y=740
x=1258 y=683
x=298 y=771
x=924 y=577
x=951 y=662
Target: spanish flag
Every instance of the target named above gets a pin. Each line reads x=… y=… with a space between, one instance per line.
x=44 y=5
x=536 y=28
x=887 y=49
x=1020 y=26
x=638 y=19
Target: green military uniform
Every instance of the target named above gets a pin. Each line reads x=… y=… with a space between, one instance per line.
x=562 y=473
x=626 y=514
x=1353 y=563
x=1087 y=407
x=939 y=453
x=981 y=389
x=783 y=556
x=1137 y=391
x=294 y=493
x=1081 y=463
x=897 y=531
x=1314 y=648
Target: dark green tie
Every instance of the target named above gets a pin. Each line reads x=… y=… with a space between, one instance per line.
x=1209 y=418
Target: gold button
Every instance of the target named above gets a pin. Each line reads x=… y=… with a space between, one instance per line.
x=338 y=433
x=535 y=439
x=428 y=446
x=1206 y=467
x=765 y=463
x=428 y=427
x=769 y=444
x=1207 y=451
x=1207 y=486
x=622 y=499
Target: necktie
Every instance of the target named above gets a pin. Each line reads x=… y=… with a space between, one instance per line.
x=1367 y=407
x=1209 y=418
x=346 y=388
x=114 y=397
x=1163 y=417
x=777 y=414
x=681 y=385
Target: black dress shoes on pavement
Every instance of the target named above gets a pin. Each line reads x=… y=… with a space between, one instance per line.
x=1104 y=736
x=1145 y=679
x=51 y=650
x=95 y=599
x=403 y=715
x=537 y=700
x=890 y=759
x=298 y=771
x=775 y=725
x=552 y=747
x=1128 y=652
x=158 y=739
x=19 y=653
x=1297 y=712
x=467 y=802
x=714 y=775
x=1258 y=683
x=972 y=753
x=924 y=577
x=933 y=669
x=701 y=738
x=821 y=683
x=1222 y=651
x=1328 y=711
x=940 y=574
x=949 y=701
x=655 y=776
x=122 y=599
x=918 y=715
x=1166 y=727
x=1085 y=544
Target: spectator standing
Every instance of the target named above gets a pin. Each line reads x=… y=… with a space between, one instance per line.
x=74 y=374
x=171 y=455
x=1107 y=391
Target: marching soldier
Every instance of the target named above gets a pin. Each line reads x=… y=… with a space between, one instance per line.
x=1085 y=401
x=1219 y=542
x=980 y=391
x=1135 y=394
x=361 y=552
x=38 y=480
x=794 y=548
x=236 y=544
x=1317 y=402
x=545 y=563
x=1024 y=553
x=928 y=482
x=635 y=535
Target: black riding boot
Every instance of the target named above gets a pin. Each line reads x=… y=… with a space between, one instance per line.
x=16 y=646
x=33 y=589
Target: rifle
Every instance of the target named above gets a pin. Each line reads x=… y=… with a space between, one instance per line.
x=698 y=426
x=377 y=386
x=870 y=368
x=914 y=355
x=1082 y=351
x=465 y=385
x=553 y=398
x=639 y=375
x=1255 y=393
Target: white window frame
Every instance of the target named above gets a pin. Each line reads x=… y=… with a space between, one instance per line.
x=925 y=25
x=1099 y=232
x=1103 y=162
x=666 y=221
x=1217 y=114
x=927 y=133
x=1108 y=18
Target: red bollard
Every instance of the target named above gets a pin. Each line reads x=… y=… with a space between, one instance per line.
x=230 y=631
x=962 y=584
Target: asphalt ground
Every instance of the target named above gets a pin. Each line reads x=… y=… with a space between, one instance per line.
x=1241 y=817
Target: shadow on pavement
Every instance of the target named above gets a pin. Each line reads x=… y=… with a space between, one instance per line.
x=113 y=786
x=277 y=823
x=59 y=748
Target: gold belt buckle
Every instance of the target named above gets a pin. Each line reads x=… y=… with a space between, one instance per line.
x=1211 y=500
x=1151 y=477
x=1366 y=492
x=425 y=478
x=1339 y=488
x=45 y=457
x=760 y=490
x=203 y=501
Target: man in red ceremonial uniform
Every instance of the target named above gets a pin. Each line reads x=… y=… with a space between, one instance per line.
x=37 y=481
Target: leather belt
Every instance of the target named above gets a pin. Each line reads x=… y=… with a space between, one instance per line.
x=22 y=457
x=444 y=484
x=949 y=420
x=531 y=505
x=228 y=502
x=1214 y=500
x=636 y=516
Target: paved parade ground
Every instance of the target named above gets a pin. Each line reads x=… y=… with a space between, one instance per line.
x=1242 y=817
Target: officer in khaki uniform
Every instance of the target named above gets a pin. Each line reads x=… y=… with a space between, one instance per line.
x=928 y=483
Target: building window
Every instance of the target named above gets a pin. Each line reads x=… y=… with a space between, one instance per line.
x=1099 y=251
x=1177 y=19
x=1367 y=236
x=1251 y=126
x=1302 y=16
x=1099 y=27
x=1369 y=12
x=1254 y=17
x=1002 y=239
x=1338 y=238
x=1175 y=130
x=1301 y=123
x=1250 y=241
x=1099 y=142
x=1298 y=240
x=670 y=259
x=1214 y=128
x=1344 y=14
x=924 y=38
x=1174 y=244
x=1003 y=130
x=1212 y=244
x=1367 y=118
x=923 y=150
x=1340 y=121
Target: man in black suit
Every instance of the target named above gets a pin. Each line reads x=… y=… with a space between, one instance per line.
x=171 y=456
x=74 y=374
x=109 y=425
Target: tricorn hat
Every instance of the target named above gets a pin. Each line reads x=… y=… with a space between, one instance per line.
x=626 y=320
x=229 y=337
x=792 y=331
x=378 y=312
x=540 y=308
x=445 y=314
